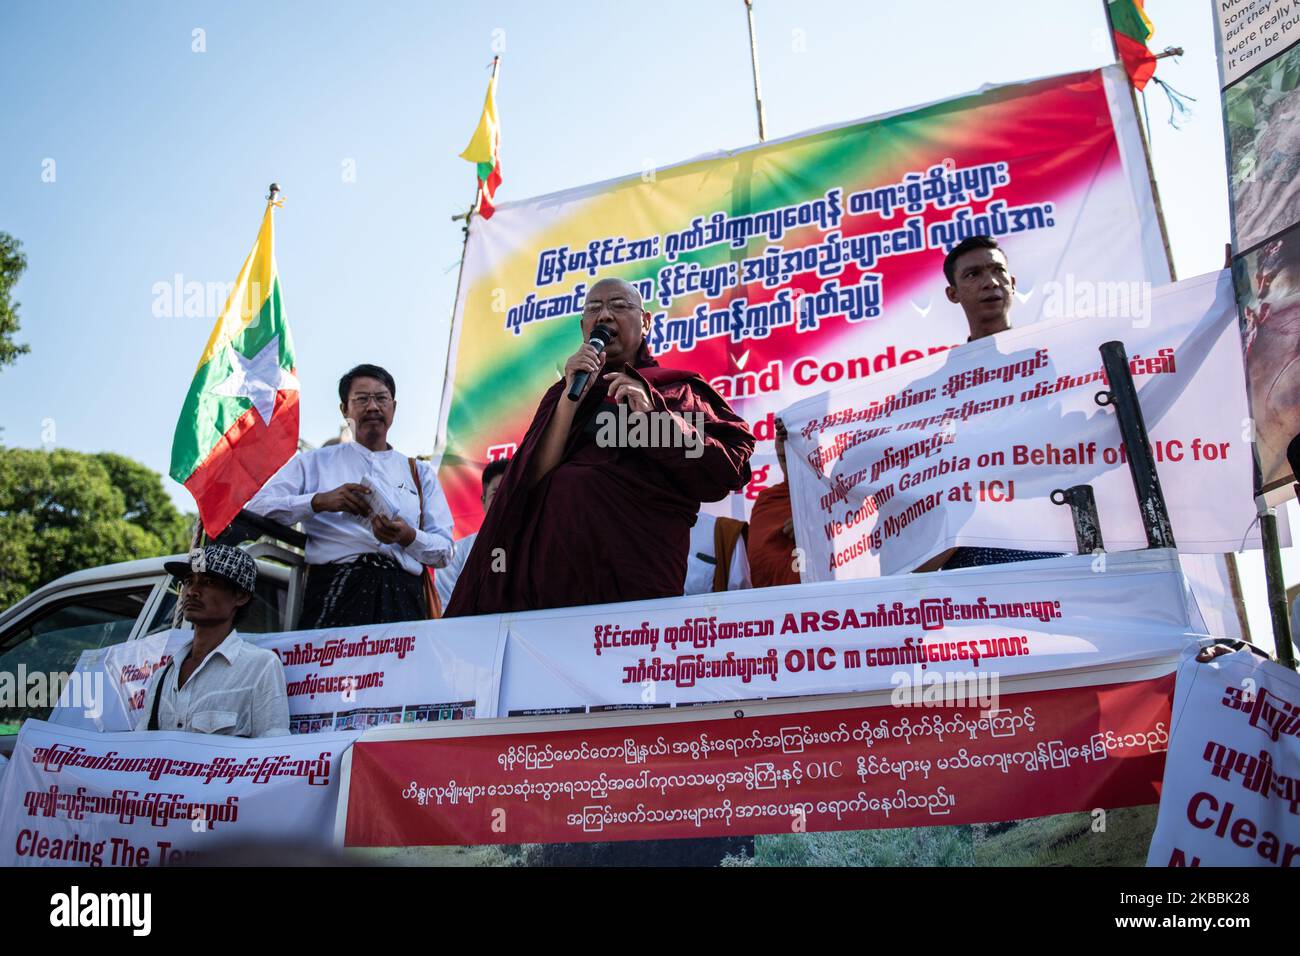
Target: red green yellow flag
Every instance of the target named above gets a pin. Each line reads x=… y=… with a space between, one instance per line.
x=484 y=150
x=1132 y=29
x=239 y=423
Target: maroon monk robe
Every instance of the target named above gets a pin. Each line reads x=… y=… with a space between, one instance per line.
x=606 y=524
x=771 y=550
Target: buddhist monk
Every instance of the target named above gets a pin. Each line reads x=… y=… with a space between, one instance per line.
x=588 y=514
x=771 y=529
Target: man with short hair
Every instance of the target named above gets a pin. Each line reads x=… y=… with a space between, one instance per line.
x=217 y=683
x=980 y=281
x=580 y=519
x=374 y=518
x=445 y=578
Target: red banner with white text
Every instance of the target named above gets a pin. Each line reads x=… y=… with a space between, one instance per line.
x=792 y=766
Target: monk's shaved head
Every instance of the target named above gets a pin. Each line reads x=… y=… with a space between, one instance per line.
x=616 y=304
x=614 y=286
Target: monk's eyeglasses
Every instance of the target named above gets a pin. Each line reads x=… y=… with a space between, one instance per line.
x=617 y=307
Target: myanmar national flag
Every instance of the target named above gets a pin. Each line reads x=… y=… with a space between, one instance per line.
x=240 y=419
x=1132 y=30
x=484 y=149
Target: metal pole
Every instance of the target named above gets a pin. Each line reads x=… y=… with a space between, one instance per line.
x=1083 y=510
x=1273 y=580
x=468 y=216
x=1146 y=151
x=1238 y=597
x=758 y=89
x=1133 y=430
x=1277 y=608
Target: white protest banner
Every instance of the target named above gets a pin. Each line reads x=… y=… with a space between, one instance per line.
x=910 y=633
x=79 y=797
x=965 y=447
x=122 y=673
x=338 y=678
x=1231 y=795
x=350 y=678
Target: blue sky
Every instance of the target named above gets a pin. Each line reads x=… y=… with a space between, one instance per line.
x=162 y=156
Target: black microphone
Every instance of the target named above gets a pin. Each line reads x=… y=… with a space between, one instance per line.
x=600 y=337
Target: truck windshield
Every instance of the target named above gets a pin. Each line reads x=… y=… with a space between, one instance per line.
x=50 y=640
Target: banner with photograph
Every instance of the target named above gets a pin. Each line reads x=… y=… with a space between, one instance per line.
x=347 y=678
x=81 y=798
x=1259 y=72
x=1231 y=793
x=965 y=448
x=908 y=632
x=778 y=269
x=351 y=678
x=1268 y=293
x=1091 y=739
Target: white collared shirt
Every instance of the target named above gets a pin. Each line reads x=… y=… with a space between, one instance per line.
x=445 y=578
x=334 y=537
x=238 y=690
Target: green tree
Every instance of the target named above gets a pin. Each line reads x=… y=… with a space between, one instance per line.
x=12 y=265
x=62 y=511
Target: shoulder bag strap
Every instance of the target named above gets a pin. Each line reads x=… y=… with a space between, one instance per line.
x=157 y=697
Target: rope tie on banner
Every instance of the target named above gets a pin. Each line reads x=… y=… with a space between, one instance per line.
x=1179 y=111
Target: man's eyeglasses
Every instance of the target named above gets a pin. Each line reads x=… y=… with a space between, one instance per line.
x=382 y=399
x=617 y=306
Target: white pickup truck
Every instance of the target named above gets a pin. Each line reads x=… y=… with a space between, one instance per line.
x=47 y=630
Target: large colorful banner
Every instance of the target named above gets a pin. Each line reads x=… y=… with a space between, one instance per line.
x=80 y=798
x=777 y=270
x=1231 y=792
x=1259 y=72
x=346 y=678
x=908 y=632
x=965 y=448
x=1092 y=739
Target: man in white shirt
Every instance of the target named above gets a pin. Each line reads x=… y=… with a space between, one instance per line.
x=980 y=281
x=445 y=579
x=217 y=683
x=373 y=517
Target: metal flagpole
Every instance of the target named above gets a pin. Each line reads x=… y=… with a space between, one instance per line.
x=758 y=90
x=468 y=216
x=1146 y=150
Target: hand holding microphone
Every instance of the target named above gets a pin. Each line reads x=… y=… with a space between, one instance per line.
x=586 y=362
